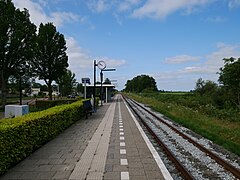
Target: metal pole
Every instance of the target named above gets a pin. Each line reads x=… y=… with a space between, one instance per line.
x=85 y=90
x=20 y=87
x=101 y=93
x=94 y=89
x=106 y=94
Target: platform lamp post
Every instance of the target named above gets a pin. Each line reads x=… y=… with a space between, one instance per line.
x=101 y=75
x=20 y=90
x=94 y=84
x=21 y=73
x=101 y=65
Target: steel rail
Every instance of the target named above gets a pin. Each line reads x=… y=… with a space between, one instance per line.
x=235 y=171
x=185 y=173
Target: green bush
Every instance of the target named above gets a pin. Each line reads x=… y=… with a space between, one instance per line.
x=47 y=103
x=20 y=136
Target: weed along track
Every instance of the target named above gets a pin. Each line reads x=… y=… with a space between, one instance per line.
x=193 y=157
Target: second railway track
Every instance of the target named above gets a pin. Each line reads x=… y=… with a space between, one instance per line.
x=191 y=158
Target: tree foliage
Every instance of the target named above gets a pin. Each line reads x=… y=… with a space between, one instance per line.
x=205 y=87
x=230 y=79
x=80 y=88
x=14 y=84
x=50 y=60
x=227 y=94
x=107 y=81
x=66 y=83
x=140 y=83
x=17 y=36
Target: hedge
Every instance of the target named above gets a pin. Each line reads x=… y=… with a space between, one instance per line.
x=47 y=104
x=20 y=136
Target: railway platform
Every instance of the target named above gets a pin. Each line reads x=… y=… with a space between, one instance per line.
x=110 y=144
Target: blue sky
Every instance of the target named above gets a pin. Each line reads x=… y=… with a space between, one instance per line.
x=174 y=41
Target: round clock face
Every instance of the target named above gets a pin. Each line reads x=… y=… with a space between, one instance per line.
x=101 y=65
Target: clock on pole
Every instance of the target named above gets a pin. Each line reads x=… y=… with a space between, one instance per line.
x=101 y=65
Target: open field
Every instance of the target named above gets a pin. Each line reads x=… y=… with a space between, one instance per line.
x=223 y=130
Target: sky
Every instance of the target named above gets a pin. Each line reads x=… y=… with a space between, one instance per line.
x=174 y=41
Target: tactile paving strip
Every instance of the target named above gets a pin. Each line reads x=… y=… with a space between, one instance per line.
x=92 y=162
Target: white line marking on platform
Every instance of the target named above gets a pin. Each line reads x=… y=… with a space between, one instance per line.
x=122 y=144
x=121 y=126
x=156 y=156
x=121 y=133
x=120 y=129
x=123 y=162
x=124 y=175
x=122 y=138
x=123 y=151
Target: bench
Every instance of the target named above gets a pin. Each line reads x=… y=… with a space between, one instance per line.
x=87 y=108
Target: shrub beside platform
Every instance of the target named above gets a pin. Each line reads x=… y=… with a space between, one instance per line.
x=47 y=104
x=20 y=136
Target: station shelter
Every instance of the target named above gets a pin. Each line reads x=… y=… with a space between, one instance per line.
x=107 y=91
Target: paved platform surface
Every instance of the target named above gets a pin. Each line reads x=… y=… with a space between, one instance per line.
x=107 y=145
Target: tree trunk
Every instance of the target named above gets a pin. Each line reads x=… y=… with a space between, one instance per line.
x=50 y=90
x=4 y=91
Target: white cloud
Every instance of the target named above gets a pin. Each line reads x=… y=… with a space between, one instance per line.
x=38 y=15
x=207 y=68
x=217 y=19
x=214 y=60
x=98 y=5
x=119 y=21
x=181 y=59
x=81 y=62
x=78 y=58
x=112 y=63
x=233 y=4
x=160 y=9
x=199 y=70
x=127 y=4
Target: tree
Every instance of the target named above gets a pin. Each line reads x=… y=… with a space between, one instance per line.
x=107 y=81
x=43 y=88
x=230 y=79
x=66 y=83
x=80 y=88
x=139 y=83
x=36 y=85
x=14 y=84
x=205 y=87
x=51 y=59
x=17 y=36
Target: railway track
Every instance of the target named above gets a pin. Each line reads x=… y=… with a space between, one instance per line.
x=191 y=158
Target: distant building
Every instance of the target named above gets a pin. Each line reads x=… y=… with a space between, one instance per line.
x=34 y=91
x=54 y=93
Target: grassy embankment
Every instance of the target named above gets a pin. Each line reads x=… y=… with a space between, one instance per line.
x=219 y=125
